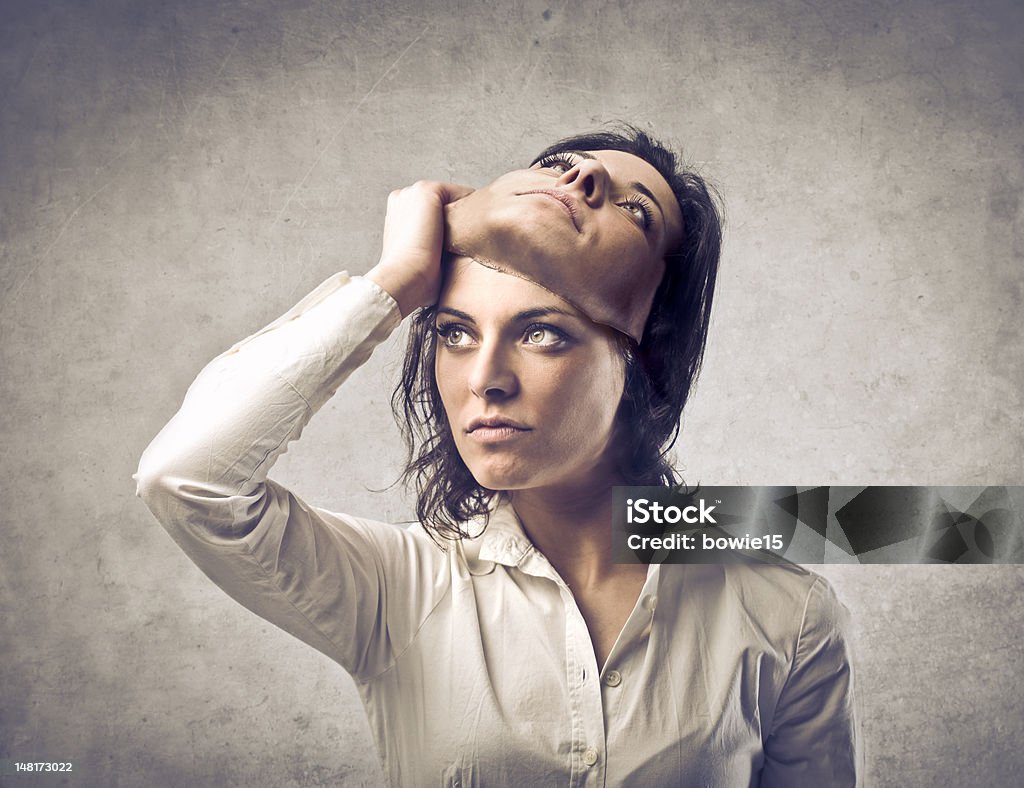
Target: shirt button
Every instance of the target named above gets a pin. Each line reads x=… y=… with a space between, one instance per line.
x=649 y=602
x=613 y=678
x=590 y=756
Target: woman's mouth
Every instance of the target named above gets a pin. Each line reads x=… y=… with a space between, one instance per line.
x=495 y=434
x=494 y=430
x=568 y=203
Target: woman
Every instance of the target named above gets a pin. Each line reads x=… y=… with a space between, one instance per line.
x=496 y=643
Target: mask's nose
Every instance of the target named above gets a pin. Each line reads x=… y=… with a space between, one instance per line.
x=588 y=178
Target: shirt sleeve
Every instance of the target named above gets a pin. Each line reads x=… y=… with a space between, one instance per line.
x=814 y=738
x=354 y=589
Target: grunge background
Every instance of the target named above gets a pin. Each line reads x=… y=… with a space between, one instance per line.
x=176 y=174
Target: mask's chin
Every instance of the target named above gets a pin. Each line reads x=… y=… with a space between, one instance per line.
x=467 y=229
x=492 y=232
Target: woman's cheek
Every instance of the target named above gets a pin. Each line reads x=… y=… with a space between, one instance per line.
x=447 y=375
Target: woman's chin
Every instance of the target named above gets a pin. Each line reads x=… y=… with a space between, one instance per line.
x=502 y=479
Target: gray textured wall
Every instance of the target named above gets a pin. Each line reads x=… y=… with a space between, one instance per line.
x=175 y=174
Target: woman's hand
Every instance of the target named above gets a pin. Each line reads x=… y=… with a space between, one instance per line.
x=410 y=261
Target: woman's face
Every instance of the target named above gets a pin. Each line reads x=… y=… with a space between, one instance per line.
x=530 y=386
x=608 y=208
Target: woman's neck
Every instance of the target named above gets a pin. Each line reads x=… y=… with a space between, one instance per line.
x=571 y=525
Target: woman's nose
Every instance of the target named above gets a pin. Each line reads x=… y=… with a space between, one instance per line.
x=589 y=179
x=492 y=376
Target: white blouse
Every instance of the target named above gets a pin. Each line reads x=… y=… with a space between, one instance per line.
x=475 y=665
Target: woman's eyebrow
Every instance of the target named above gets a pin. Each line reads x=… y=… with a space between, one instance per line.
x=455 y=313
x=526 y=314
x=531 y=314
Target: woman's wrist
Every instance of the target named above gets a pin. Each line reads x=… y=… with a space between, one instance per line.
x=408 y=291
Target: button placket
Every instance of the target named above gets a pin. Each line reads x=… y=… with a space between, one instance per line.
x=585 y=697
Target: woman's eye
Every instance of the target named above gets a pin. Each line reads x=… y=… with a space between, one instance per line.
x=453 y=336
x=543 y=336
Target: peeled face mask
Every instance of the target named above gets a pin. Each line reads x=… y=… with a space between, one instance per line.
x=593 y=260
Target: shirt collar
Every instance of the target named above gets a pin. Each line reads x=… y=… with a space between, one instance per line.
x=504 y=542
x=500 y=539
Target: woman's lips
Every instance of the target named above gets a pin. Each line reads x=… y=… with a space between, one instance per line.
x=566 y=201
x=495 y=434
x=495 y=429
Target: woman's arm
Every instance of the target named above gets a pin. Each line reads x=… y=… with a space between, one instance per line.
x=204 y=476
x=324 y=578
x=814 y=738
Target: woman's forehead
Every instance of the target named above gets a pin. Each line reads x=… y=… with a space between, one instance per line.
x=475 y=288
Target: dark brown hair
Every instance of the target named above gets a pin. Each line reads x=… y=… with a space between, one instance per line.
x=660 y=372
